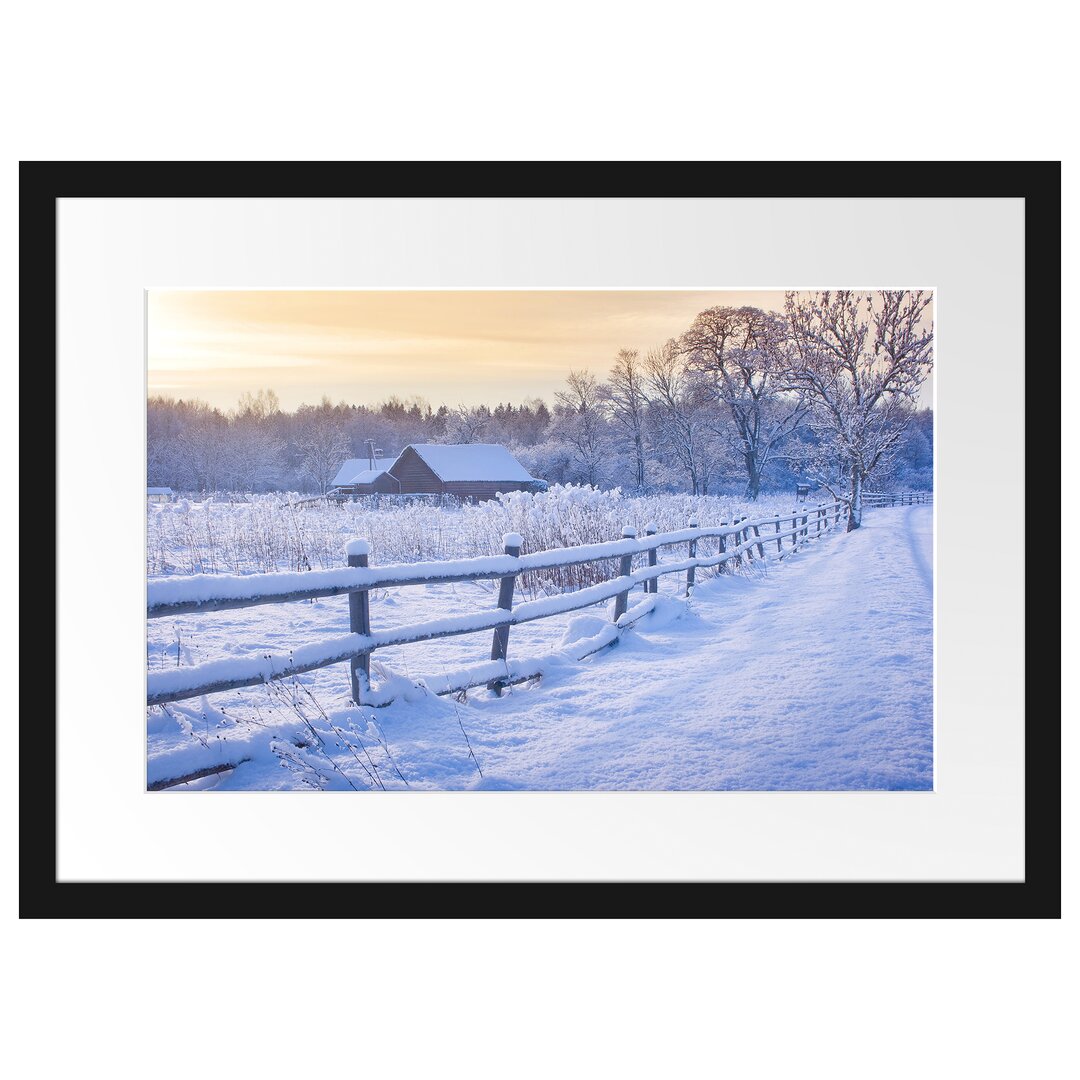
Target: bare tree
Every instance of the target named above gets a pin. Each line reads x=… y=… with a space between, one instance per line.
x=626 y=396
x=680 y=415
x=321 y=443
x=860 y=358
x=739 y=355
x=261 y=406
x=465 y=425
x=580 y=423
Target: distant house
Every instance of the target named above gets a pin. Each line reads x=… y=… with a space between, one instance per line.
x=358 y=477
x=159 y=494
x=475 y=471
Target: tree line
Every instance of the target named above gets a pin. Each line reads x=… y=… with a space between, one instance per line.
x=745 y=399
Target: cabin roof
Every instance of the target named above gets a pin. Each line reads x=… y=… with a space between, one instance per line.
x=471 y=461
x=368 y=476
x=357 y=471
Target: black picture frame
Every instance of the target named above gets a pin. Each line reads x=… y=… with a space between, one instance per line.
x=1037 y=183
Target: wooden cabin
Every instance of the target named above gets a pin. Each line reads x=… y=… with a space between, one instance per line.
x=472 y=471
x=370 y=482
x=159 y=494
x=361 y=476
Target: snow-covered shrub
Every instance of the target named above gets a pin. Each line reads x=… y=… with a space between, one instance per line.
x=272 y=532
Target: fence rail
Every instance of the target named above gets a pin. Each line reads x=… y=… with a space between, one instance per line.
x=738 y=541
x=896 y=498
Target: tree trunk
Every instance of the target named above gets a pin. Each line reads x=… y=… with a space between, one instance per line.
x=855 y=517
x=753 y=477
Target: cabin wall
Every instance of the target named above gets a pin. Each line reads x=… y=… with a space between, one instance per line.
x=414 y=475
x=482 y=490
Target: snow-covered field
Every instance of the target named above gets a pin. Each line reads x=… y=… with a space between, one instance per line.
x=814 y=673
x=269 y=533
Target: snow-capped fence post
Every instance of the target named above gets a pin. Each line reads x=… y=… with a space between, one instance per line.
x=805 y=529
x=622 y=599
x=722 y=568
x=651 y=584
x=779 y=541
x=500 y=638
x=794 y=530
x=761 y=546
x=356 y=551
x=692 y=523
x=744 y=540
x=839 y=506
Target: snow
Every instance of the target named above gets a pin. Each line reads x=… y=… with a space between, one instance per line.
x=814 y=673
x=159 y=491
x=358 y=547
x=350 y=469
x=513 y=540
x=238 y=672
x=472 y=461
x=164 y=592
x=368 y=476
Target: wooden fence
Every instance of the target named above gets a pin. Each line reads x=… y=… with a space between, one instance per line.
x=736 y=542
x=873 y=499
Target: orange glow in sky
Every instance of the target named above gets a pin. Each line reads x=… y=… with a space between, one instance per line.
x=448 y=346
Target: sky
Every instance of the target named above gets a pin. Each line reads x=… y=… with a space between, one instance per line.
x=453 y=347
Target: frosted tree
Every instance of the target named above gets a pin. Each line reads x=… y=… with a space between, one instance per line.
x=261 y=407
x=738 y=355
x=860 y=359
x=321 y=443
x=679 y=415
x=625 y=395
x=255 y=452
x=580 y=424
x=465 y=425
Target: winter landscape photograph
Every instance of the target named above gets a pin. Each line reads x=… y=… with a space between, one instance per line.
x=541 y=540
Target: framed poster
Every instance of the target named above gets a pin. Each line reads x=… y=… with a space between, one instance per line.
x=845 y=817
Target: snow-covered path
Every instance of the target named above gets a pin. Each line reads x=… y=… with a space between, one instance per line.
x=817 y=675
x=814 y=674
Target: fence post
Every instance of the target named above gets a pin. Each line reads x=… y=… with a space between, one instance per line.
x=742 y=536
x=722 y=567
x=650 y=586
x=356 y=551
x=817 y=521
x=805 y=529
x=779 y=542
x=500 y=638
x=794 y=530
x=839 y=506
x=629 y=532
x=692 y=523
x=760 y=547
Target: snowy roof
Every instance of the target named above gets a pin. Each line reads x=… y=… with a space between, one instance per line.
x=368 y=476
x=471 y=461
x=158 y=491
x=354 y=469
